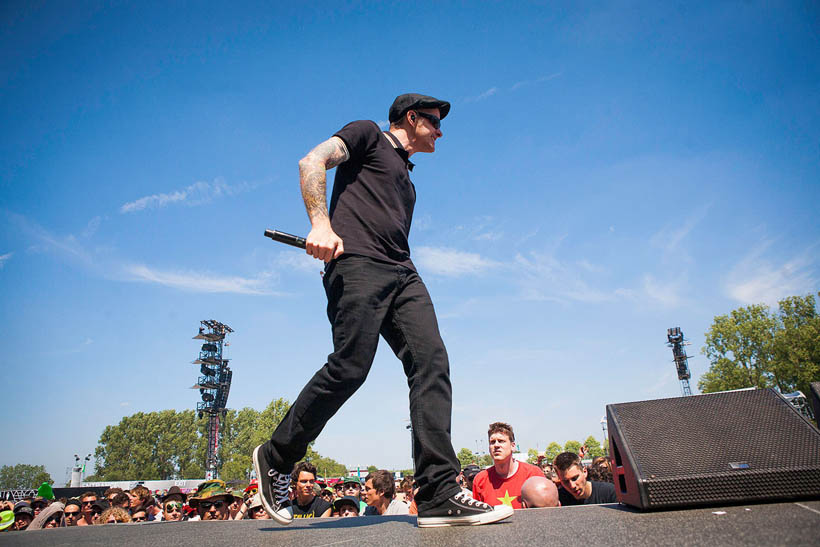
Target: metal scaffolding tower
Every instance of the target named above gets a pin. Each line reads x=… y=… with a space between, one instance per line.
x=676 y=341
x=214 y=384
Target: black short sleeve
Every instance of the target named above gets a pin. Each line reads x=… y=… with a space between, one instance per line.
x=371 y=206
x=359 y=137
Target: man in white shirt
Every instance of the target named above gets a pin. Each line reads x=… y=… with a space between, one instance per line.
x=380 y=493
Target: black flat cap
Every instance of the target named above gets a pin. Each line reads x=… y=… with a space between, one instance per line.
x=405 y=102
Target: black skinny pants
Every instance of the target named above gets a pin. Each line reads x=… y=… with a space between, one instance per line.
x=367 y=298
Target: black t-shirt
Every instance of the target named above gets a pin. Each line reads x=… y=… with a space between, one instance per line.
x=313 y=509
x=371 y=206
x=602 y=492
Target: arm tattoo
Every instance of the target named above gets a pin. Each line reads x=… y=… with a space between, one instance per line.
x=312 y=174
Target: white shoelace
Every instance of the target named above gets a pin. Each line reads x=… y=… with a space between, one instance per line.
x=281 y=485
x=467 y=499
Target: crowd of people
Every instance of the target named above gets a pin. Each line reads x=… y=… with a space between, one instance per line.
x=563 y=481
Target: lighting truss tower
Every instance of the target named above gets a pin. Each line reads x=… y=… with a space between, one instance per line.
x=676 y=341
x=214 y=384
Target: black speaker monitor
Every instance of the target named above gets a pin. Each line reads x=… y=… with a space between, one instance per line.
x=729 y=447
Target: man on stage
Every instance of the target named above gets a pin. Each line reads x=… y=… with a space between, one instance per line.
x=373 y=289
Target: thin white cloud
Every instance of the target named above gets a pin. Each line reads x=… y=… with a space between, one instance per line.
x=544 y=277
x=755 y=280
x=480 y=97
x=66 y=245
x=197 y=281
x=4 y=258
x=450 y=262
x=670 y=236
x=662 y=382
x=92 y=227
x=522 y=83
x=196 y=194
x=667 y=293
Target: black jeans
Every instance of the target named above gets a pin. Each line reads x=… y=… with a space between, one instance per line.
x=367 y=298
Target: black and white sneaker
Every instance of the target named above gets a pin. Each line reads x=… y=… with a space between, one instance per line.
x=273 y=488
x=462 y=510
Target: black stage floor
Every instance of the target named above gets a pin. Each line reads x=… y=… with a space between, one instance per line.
x=791 y=523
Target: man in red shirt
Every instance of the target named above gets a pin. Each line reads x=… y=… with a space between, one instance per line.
x=501 y=483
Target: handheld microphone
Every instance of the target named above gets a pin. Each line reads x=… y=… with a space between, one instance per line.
x=288 y=239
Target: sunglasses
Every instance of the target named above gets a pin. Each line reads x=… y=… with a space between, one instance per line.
x=206 y=505
x=139 y=519
x=434 y=121
x=92 y=502
x=72 y=513
x=171 y=507
x=353 y=486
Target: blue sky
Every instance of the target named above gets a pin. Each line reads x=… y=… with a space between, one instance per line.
x=606 y=172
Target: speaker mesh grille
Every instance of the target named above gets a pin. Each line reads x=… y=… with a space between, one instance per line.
x=684 y=448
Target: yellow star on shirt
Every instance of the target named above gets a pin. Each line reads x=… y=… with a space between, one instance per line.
x=507 y=499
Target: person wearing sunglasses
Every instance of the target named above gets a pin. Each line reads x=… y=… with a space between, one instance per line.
x=50 y=517
x=139 y=514
x=98 y=508
x=352 y=487
x=374 y=290
x=87 y=500
x=255 y=510
x=172 y=505
x=212 y=500
x=72 y=512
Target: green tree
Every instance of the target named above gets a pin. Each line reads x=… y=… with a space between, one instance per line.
x=572 y=446
x=485 y=460
x=23 y=476
x=740 y=349
x=754 y=347
x=532 y=456
x=466 y=457
x=553 y=449
x=372 y=468
x=150 y=446
x=594 y=448
x=169 y=444
x=797 y=344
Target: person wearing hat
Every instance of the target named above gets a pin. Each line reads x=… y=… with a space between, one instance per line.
x=212 y=500
x=6 y=520
x=172 y=503
x=352 y=487
x=50 y=517
x=255 y=510
x=97 y=508
x=38 y=504
x=373 y=289
x=23 y=515
x=346 y=506
x=328 y=494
